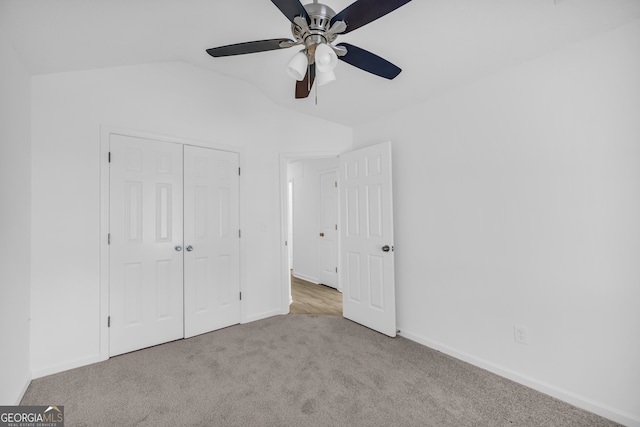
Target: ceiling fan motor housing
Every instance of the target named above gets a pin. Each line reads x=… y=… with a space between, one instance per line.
x=320 y=16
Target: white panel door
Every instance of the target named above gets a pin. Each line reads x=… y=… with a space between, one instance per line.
x=211 y=209
x=366 y=236
x=329 y=228
x=145 y=269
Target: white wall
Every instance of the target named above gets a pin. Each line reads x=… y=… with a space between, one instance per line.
x=15 y=218
x=170 y=99
x=517 y=201
x=306 y=215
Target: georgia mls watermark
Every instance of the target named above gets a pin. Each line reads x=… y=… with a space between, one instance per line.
x=31 y=416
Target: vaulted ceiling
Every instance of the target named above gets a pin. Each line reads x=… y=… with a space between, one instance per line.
x=439 y=44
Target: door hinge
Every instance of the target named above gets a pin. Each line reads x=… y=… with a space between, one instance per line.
x=108 y=321
x=239 y=234
x=109 y=239
x=336 y=269
x=240 y=296
x=286 y=243
x=336 y=226
x=336 y=183
x=239 y=172
x=109 y=156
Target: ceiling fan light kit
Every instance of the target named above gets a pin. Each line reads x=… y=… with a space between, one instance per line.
x=316 y=26
x=325 y=77
x=297 y=65
x=326 y=58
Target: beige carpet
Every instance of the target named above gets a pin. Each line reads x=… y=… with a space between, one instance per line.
x=296 y=370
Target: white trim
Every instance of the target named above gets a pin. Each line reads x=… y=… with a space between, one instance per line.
x=26 y=385
x=104 y=247
x=108 y=129
x=551 y=390
x=262 y=315
x=43 y=372
x=285 y=278
x=105 y=132
x=306 y=278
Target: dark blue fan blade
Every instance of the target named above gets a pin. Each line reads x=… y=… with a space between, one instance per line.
x=291 y=9
x=369 y=62
x=362 y=12
x=248 y=47
x=304 y=86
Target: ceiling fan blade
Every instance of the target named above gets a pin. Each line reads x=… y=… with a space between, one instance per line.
x=303 y=87
x=369 y=62
x=362 y=12
x=291 y=9
x=248 y=47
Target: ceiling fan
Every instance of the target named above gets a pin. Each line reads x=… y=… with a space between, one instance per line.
x=315 y=27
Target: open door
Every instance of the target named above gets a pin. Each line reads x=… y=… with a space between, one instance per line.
x=366 y=238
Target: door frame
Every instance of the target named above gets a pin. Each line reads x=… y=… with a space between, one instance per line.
x=105 y=134
x=285 y=158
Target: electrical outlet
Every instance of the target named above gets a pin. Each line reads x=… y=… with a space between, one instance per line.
x=520 y=334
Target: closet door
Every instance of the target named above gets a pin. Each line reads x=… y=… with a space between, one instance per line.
x=146 y=261
x=211 y=240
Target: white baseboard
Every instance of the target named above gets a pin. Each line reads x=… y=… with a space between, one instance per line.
x=262 y=315
x=306 y=278
x=26 y=385
x=598 y=408
x=54 y=369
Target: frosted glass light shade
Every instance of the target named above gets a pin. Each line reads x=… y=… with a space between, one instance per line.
x=326 y=58
x=297 y=66
x=325 y=77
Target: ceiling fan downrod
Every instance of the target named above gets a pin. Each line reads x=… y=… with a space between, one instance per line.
x=318 y=29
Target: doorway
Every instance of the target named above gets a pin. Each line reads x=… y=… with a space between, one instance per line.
x=312 y=236
x=311 y=298
x=366 y=261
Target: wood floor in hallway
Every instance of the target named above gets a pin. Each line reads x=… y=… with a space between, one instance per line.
x=309 y=298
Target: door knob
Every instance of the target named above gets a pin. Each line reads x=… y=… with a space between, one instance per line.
x=189 y=248
x=321 y=234
x=178 y=248
x=386 y=248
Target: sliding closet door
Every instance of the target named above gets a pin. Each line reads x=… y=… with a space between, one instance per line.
x=211 y=240
x=146 y=262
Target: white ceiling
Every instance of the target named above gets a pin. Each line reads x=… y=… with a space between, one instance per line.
x=439 y=44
